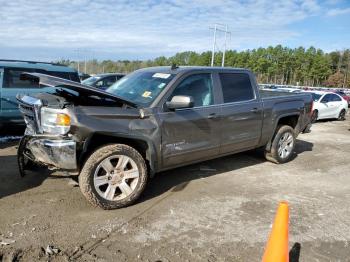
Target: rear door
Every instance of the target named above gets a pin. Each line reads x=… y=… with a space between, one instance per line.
x=241 y=115
x=191 y=134
x=336 y=104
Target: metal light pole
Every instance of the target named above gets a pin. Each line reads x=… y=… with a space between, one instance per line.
x=85 y=65
x=223 y=54
x=214 y=44
x=77 y=50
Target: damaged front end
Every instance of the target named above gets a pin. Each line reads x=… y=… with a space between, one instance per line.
x=54 y=149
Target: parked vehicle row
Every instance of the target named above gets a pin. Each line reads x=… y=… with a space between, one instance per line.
x=329 y=104
x=11 y=84
x=152 y=120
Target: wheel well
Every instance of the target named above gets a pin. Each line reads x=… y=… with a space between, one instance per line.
x=289 y=121
x=99 y=140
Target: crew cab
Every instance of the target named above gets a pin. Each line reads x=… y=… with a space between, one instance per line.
x=152 y=120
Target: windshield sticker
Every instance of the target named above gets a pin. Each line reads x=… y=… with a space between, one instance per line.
x=147 y=94
x=161 y=75
x=161 y=85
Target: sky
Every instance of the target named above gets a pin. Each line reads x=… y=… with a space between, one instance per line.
x=48 y=30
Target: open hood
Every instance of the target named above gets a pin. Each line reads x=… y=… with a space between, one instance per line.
x=53 y=81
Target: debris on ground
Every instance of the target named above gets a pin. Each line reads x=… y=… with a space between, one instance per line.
x=7 y=241
x=51 y=250
x=73 y=183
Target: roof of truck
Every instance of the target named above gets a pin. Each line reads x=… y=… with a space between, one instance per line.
x=176 y=70
x=37 y=65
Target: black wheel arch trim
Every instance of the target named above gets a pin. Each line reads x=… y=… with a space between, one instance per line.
x=151 y=152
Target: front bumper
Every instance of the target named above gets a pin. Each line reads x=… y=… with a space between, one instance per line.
x=59 y=154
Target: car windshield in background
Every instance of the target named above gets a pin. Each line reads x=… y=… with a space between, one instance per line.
x=316 y=97
x=89 y=81
x=141 y=87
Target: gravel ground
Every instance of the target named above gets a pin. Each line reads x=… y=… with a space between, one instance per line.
x=219 y=210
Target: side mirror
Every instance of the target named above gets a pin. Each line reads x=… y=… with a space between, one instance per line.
x=179 y=102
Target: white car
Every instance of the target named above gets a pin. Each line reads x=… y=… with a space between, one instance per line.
x=328 y=105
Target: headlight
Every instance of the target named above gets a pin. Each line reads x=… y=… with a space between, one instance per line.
x=55 y=121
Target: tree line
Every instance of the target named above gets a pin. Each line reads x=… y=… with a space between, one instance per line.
x=275 y=65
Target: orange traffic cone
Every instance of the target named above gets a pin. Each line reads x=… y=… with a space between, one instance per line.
x=277 y=247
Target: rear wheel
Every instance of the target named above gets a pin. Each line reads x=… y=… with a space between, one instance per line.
x=341 y=116
x=282 y=146
x=114 y=176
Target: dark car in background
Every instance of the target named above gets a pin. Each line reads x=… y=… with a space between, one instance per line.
x=103 y=81
x=83 y=76
x=11 y=84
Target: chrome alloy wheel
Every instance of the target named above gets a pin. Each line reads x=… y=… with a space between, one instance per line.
x=116 y=177
x=285 y=145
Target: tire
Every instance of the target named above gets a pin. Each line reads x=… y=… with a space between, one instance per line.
x=282 y=136
x=314 y=116
x=119 y=187
x=341 y=116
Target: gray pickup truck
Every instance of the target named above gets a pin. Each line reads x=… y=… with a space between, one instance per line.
x=152 y=120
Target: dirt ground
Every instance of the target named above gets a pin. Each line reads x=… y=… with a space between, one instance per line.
x=219 y=210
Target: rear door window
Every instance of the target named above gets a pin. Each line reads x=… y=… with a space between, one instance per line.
x=336 y=98
x=12 y=79
x=110 y=80
x=236 y=87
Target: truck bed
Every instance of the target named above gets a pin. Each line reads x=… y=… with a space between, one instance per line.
x=269 y=94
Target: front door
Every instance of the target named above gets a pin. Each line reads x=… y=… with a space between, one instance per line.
x=191 y=134
x=326 y=107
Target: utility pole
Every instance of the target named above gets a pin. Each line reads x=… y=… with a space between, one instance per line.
x=219 y=28
x=77 y=51
x=223 y=54
x=85 y=64
x=214 y=44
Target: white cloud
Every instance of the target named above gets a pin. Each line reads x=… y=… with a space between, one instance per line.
x=157 y=27
x=338 y=11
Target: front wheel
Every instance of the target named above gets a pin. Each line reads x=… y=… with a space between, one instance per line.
x=341 y=116
x=114 y=176
x=282 y=146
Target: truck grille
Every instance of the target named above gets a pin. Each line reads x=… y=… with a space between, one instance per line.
x=30 y=108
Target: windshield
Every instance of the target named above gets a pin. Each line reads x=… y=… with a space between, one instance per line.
x=316 y=97
x=141 y=87
x=90 y=81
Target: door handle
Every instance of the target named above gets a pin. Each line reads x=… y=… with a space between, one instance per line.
x=212 y=116
x=254 y=110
